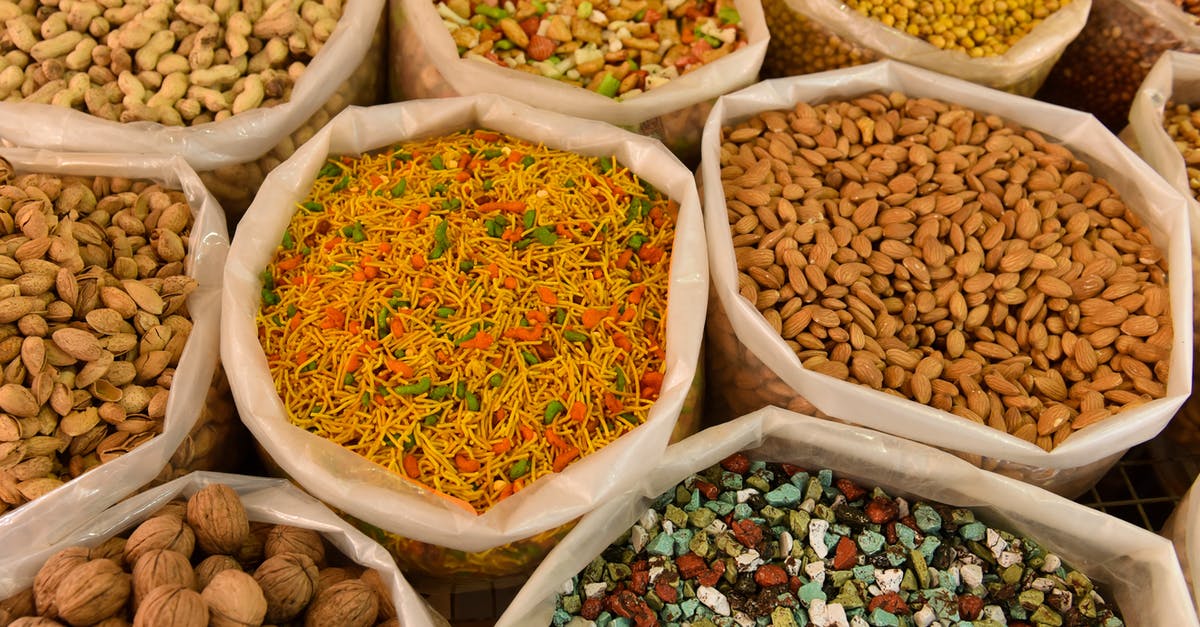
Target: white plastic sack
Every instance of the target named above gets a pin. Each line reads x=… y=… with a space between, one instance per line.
x=1136 y=567
x=92 y=492
x=1021 y=69
x=424 y=63
x=240 y=139
x=1182 y=529
x=368 y=491
x=1174 y=77
x=1084 y=457
x=266 y=500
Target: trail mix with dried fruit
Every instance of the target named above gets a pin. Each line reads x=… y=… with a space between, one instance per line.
x=202 y=562
x=93 y=321
x=747 y=542
x=177 y=63
x=1181 y=122
x=473 y=311
x=617 y=48
x=949 y=257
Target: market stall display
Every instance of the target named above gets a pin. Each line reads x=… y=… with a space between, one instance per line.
x=732 y=565
x=212 y=549
x=1005 y=45
x=493 y=258
x=110 y=328
x=646 y=65
x=231 y=87
x=1162 y=131
x=1102 y=68
x=899 y=262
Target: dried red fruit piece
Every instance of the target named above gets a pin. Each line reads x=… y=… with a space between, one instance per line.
x=737 y=462
x=530 y=25
x=845 y=555
x=539 y=49
x=850 y=489
x=769 y=575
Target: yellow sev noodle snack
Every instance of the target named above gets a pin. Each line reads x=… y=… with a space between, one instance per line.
x=470 y=311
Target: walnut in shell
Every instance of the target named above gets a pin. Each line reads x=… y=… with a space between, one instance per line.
x=213 y=564
x=45 y=583
x=112 y=548
x=387 y=609
x=218 y=518
x=234 y=600
x=289 y=582
x=329 y=576
x=17 y=606
x=285 y=539
x=35 y=621
x=350 y=603
x=177 y=509
x=172 y=605
x=92 y=592
x=159 y=567
x=160 y=532
x=251 y=551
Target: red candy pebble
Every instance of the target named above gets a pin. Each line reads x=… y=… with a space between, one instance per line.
x=666 y=592
x=969 y=606
x=591 y=608
x=890 y=602
x=769 y=575
x=881 y=510
x=736 y=463
x=690 y=565
x=848 y=488
x=846 y=554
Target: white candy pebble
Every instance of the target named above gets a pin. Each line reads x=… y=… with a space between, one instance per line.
x=713 y=600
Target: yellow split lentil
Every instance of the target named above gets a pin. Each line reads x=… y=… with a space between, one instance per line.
x=471 y=311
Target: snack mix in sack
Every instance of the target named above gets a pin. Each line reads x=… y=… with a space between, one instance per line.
x=948 y=257
x=202 y=562
x=177 y=64
x=1101 y=70
x=802 y=43
x=616 y=49
x=749 y=542
x=425 y=304
x=93 y=318
x=1180 y=122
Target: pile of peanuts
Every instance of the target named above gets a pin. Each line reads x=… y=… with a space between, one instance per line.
x=176 y=63
x=945 y=256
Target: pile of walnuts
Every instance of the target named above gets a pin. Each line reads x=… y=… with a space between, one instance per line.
x=202 y=563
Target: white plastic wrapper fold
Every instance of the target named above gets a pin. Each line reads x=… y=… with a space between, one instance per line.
x=370 y=492
x=1021 y=69
x=1135 y=567
x=1174 y=77
x=90 y=493
x=266 y=500
x=425 y=63
x=1084 y=457
x=244 y=137
x=1182 y=528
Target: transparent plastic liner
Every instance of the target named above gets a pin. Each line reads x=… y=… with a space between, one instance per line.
x=1132 y=566
x=1084 y=457
x=378 y=497
x=266 y=500
x=190 y=406
x=817 y=35
x=424 y=63
x=233 y=154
